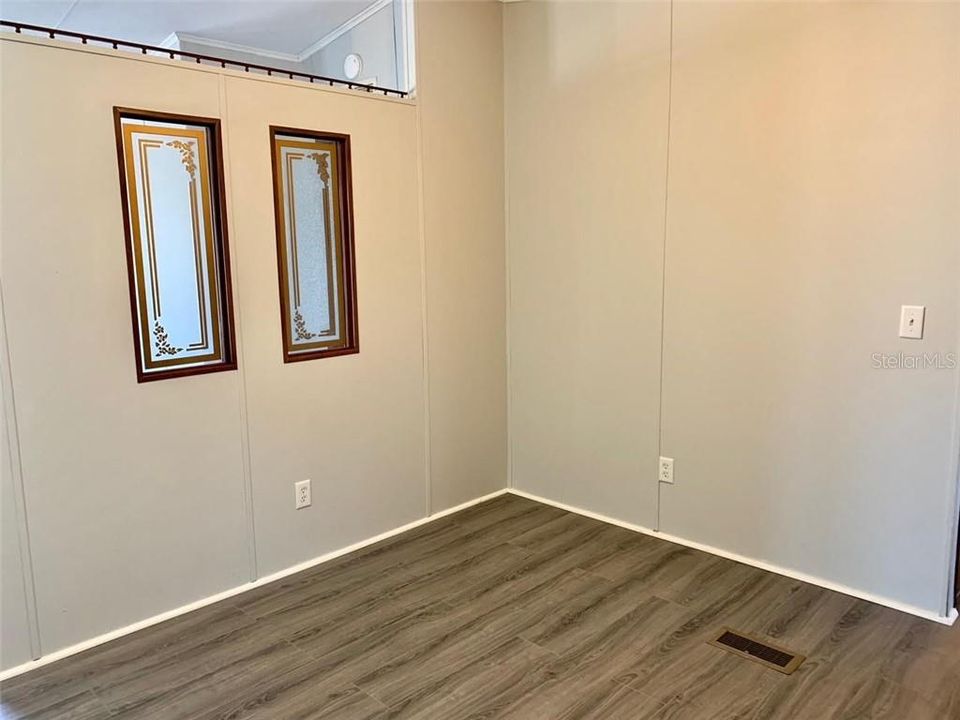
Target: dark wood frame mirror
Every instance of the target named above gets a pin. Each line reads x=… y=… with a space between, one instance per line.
x=198 y=148
x=324 y=158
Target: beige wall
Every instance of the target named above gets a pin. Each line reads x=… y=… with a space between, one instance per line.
x=352 y=424
x=586 y=118
x=132 y=491
x=142 y=498
x=460 y=95
x=15 y=643
x=814 y=187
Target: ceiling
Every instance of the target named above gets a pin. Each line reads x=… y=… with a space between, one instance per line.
x=283 y=26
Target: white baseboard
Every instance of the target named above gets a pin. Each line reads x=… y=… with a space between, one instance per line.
x=320 y=559
x=803 y=577
x=196 y=605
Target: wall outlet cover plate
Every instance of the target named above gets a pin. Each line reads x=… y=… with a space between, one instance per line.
x=302 y=494
x=665 y=474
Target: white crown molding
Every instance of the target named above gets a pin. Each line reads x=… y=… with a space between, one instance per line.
x=175 y=39
x=179 y=37
x=346 y=27
x=171 y=42
x=66 y=13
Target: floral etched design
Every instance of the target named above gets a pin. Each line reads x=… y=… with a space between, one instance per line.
x=300 y=326
x=186 y=156
x=162 y=341
x=323 y=165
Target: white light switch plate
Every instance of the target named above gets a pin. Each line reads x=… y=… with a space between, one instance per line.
x=911 y=321
x=666 y=470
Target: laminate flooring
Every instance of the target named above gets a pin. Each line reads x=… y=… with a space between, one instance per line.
x=512 y=609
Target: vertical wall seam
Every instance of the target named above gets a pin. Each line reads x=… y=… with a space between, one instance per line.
x=424 y=314
x=247 y=470
x=19 y=492
x=399 y=66
x=508 y=287
x=663 y=256
x=953 y=550
x=953 y=529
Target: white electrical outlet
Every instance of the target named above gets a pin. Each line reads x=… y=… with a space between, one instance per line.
x=666 y=470
x=302 y=494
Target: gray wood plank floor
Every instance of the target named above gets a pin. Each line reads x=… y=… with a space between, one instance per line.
x=512 y=609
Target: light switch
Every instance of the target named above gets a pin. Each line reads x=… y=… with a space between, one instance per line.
x=911 y=321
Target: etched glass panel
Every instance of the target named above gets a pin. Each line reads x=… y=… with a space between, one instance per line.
x=175 y=246
x=314 y=243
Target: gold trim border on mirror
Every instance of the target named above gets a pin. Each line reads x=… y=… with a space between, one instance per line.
x=151 y=328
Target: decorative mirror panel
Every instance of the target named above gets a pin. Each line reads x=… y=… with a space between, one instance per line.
x=314 y=218
x=171 y=175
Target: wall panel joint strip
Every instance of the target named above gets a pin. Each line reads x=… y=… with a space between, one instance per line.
x=15 y=468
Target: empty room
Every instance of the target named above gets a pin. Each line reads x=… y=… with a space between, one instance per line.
x=479 y=359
